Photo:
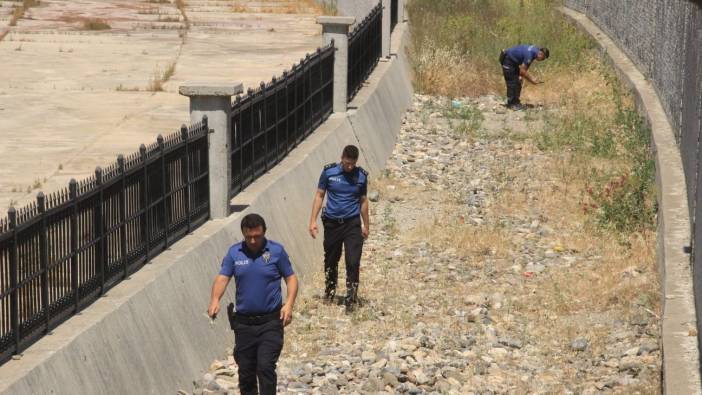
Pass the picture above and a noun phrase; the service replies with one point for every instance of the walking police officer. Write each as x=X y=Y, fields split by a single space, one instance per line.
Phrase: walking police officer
x=257 y=265
x=345 y=220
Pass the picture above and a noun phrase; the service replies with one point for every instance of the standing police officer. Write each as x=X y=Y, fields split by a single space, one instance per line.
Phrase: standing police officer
x=345 y=186
x=515 y=63
x=257 y=265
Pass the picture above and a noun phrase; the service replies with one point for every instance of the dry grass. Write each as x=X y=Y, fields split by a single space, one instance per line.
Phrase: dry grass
x=159 y=78
x=18 y=11
x=469 y=241
x=289 y=7
x=96 y=24
x=455 y=49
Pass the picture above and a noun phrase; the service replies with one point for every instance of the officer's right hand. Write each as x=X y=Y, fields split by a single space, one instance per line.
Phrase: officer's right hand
x=213 y=309
x=313 y=229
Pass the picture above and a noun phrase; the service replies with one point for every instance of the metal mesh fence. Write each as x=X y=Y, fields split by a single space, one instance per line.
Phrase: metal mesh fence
x=664 y=39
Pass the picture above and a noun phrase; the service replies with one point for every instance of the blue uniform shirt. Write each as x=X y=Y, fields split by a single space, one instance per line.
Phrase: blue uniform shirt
x=344 y=190
x=522 y=54
x=257 y=276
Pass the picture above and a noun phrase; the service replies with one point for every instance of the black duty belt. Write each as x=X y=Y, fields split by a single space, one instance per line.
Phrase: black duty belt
x=339 y=220
x=252 y=319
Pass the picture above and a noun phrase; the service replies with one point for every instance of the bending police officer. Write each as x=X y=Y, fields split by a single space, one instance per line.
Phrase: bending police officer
x=257 y=265
x=345 y=220
x=515 y=62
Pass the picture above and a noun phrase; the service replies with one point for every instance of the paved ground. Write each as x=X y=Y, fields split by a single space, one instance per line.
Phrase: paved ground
x=72 y=98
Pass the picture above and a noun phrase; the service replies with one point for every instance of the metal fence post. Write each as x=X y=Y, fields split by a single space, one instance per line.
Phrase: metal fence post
x=14 y=280
x=123 y=215
x=99 y=231
x=186 y=174
x=401 y=11
x=264 y=124
x=43 y=258
x=145 y=228
x=306 y=77
x=335 y=31
x=73 y=194
x=252 y=131
x=164 y=183
x=214 y=101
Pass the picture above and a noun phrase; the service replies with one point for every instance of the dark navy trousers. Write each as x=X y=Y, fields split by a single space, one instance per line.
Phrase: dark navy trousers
x=514 y=85
x=347 y=234
x=256 y=351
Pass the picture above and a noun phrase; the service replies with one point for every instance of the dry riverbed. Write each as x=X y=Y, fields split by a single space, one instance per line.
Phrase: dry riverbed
x=481 y=276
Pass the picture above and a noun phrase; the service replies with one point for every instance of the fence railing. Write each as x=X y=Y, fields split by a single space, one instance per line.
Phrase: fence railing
x=365 y=46
x=62 y=252
x=267 y=123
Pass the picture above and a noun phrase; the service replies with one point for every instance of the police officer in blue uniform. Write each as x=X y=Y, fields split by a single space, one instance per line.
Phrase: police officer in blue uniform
x=257 y=265
x=345 y=220
x=515 y=63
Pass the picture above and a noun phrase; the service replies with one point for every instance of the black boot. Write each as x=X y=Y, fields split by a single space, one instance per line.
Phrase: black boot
x=351 y=300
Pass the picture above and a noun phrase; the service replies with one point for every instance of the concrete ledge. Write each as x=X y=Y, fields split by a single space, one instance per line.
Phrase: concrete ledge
x=210 y=89
x=681 y=369
x=375 y=111
x=336 y=20
x=149 y=334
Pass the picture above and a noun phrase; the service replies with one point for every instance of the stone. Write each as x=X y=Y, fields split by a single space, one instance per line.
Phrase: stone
x=579 y=344
x=390 y=379
x=374 y=196
x=509 y=342
x=368 y=356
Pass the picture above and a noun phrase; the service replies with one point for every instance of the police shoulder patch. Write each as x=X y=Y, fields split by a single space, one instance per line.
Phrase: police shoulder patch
x=329 y=166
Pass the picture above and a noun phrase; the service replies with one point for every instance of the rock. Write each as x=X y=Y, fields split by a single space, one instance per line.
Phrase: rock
x=216 y=365
x=380 y=364
x=498 y=353
x=373 y=385
x=509 y=342
x=328 y=389
x=368 y=356
x=374 y=196
x=630 y=364
x=579 y=344
x=648 y=348
x=390 y=379
x=419 y=377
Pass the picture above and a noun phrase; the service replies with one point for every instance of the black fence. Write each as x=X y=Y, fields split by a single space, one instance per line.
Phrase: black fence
x=365 y=46
x=270 y=121
x=61 y=253
x=393 y=14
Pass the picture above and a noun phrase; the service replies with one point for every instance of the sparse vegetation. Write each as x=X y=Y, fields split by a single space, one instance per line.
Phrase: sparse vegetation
x=95 y=24
x=469 y=117
x=589 y=172
x=457 y=43
x=291 y=7
x=159 y=78
x=18 y=11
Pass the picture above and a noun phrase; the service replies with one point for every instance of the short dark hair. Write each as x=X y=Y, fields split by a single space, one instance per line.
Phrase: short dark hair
x=350 y=152
x=545 y=51
x=252 y=221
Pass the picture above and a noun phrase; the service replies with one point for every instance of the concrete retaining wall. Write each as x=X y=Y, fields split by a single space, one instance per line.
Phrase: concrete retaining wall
x=150 y=334
x=681 y=374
